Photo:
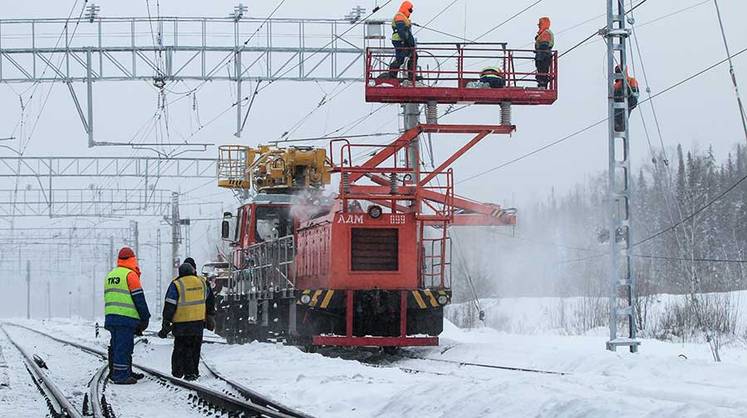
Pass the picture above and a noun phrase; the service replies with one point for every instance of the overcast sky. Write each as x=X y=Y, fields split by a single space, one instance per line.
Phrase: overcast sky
x=702 y=112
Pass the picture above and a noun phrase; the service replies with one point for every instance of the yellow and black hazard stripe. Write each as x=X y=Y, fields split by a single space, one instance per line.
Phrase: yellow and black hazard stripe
x=427 y=298
x=316 y=298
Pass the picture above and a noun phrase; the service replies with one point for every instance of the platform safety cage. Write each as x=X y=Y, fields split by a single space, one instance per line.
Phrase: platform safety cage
x=456 y=68
x=233 y=163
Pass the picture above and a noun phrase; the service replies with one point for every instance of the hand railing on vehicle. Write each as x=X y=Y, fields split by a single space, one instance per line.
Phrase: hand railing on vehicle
x=455 y=70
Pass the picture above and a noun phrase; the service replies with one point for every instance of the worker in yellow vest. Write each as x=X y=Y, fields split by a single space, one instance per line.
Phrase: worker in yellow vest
x=403 y=41
x=493 y=77
x=189 y=308
x=127 y=315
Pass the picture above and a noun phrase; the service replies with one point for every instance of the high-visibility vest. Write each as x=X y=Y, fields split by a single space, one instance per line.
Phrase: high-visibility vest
x=398 y=17
x=546 y=36
x=491 y=72
x=117 y=297
x=191 y=304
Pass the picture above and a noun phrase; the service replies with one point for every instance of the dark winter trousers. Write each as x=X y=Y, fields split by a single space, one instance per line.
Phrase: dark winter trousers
x=120 y=352
x=542 y=61
x=620 y=114
x=185 y=359
x=401 y=53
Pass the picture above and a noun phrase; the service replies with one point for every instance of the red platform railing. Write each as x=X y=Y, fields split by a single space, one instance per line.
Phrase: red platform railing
x=449 y=73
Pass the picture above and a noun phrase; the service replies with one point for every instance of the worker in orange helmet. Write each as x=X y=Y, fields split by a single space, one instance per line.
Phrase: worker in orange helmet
x=127 y=315
x=544 y=42
x=403 y=41
x=631 y=87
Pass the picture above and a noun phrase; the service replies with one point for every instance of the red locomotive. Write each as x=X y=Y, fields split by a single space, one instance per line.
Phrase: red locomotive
x=370 y=265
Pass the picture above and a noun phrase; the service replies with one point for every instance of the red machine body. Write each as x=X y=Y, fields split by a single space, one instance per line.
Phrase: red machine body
x=371 y=266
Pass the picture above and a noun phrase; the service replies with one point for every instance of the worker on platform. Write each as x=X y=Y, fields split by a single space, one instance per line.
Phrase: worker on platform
x=544 y=42
x=189 y=308
x=631 y=87
x=127 y=315
x=494 y=77
x=403 y=41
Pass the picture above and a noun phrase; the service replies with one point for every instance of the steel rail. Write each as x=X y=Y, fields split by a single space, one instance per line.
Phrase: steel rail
x=217 y=399
x=253 y=396
x=96 y=397
x=55 y=395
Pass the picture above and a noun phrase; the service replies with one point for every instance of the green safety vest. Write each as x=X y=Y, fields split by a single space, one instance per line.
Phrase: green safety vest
x=117 y=297
x=546 y=36
x=395 y=34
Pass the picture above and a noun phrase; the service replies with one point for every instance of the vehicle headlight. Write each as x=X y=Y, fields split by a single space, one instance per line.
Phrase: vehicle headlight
x=375 y=211
x=305 y=299
x=443 y=300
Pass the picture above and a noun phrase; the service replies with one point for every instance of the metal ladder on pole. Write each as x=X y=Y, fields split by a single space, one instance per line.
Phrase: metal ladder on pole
x=622 y=279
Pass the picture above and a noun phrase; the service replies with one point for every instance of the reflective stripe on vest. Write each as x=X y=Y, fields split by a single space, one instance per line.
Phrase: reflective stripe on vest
x=191 y=304
x=491 y=72
x=408 y=23
x=117 y=297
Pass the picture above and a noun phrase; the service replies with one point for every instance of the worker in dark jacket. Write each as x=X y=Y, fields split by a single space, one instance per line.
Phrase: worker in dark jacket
x=403 y=41
x=493 y=76
x=127 y=315
x=631 y=87
x=189 y=308
x=544 y=42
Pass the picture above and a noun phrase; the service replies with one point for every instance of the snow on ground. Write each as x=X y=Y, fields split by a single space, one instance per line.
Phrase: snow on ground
x=663 y=380
x=542 y=315
x=19 y=394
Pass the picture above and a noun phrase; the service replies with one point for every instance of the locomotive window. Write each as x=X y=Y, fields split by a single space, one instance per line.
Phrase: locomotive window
x=273 y=222
x=374 y=249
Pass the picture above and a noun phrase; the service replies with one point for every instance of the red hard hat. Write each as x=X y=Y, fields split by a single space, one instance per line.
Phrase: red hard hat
x=125 y=253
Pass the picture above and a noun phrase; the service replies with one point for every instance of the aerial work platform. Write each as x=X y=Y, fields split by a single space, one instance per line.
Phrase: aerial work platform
x=450 y=74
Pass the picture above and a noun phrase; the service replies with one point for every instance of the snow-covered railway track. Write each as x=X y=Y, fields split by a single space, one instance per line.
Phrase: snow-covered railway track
x=251 y=395
x=204 y=400
x=57 y=402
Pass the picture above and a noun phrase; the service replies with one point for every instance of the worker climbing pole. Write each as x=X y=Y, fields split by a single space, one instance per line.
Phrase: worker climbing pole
x=622 y=279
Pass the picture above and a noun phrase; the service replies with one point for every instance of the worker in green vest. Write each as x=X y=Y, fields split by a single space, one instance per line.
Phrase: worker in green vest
x=189 y=308
x=126 y=315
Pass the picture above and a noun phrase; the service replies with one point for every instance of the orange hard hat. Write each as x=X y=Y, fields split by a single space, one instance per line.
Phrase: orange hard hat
x=125 y=253
x=406 y=8
x=544 y=22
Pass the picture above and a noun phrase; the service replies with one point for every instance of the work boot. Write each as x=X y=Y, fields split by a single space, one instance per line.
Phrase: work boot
x=177 y=375
x=137 y=376
x=129 y=381
x=191 y=377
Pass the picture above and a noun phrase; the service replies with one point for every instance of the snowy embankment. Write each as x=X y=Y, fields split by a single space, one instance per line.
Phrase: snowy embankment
x=584 y=315
x=663 y=380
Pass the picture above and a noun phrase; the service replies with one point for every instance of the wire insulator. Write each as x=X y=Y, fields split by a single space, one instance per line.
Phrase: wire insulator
x=431 y=113
x=393 y=183
x=346 y=182
x=505 y=113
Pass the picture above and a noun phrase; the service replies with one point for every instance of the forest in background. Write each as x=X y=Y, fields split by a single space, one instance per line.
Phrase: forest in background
x=560 y=247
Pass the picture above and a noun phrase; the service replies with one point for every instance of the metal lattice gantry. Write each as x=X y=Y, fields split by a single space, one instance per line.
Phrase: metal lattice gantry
x=622 y=278
x=139 y=167
x=60 y=234
x=92 y=202
x=165 y=49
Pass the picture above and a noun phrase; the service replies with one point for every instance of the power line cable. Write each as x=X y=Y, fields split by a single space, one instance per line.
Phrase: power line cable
x=693 y=214
x=580 y=131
